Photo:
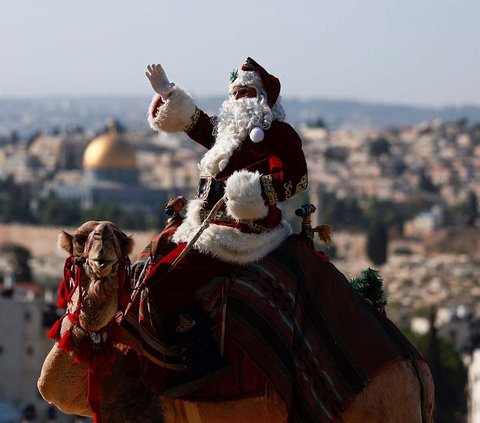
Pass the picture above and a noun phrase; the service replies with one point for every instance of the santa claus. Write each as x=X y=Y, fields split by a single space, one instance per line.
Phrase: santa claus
x=254 y=161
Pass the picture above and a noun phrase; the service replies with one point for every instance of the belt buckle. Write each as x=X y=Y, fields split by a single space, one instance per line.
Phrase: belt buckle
x=203 y=188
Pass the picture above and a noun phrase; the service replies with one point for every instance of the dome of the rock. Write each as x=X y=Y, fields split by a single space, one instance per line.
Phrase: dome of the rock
x=109 y=151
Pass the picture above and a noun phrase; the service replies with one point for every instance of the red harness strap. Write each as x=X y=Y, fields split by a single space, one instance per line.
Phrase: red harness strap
x=98 y=348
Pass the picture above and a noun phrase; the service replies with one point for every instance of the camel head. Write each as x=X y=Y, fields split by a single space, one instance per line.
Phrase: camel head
x=101 y=248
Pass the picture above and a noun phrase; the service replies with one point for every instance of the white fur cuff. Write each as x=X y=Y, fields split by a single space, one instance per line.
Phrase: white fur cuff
x=244 y=196
x=175 y=114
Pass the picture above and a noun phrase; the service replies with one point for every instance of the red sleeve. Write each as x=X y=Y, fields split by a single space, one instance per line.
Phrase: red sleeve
x=159 y=103
x=201 y=129
x=288 y=167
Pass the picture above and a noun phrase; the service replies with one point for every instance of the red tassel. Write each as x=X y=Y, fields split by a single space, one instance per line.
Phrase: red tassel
x=83 y=353
x=75 y=316
x=66 y=342
x=93 y=390
x=63 y=288
x=62 y=295
x=100 y=366
x=54 y=332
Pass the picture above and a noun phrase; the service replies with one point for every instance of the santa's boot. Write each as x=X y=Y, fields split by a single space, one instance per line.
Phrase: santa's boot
x=205 y=362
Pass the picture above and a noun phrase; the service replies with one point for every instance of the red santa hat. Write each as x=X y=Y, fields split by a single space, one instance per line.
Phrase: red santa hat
x=254 y=75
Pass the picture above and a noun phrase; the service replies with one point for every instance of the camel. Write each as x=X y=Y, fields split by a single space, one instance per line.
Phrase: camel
x=398 y=393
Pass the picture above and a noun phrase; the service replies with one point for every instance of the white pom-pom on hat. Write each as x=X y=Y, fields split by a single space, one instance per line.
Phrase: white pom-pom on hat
x=257 y=135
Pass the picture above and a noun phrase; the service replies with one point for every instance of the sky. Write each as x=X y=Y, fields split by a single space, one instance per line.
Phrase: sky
x=416 y=52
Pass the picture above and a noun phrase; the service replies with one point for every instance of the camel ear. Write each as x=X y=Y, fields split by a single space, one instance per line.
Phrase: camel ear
x=65 y=241
x=126 y=244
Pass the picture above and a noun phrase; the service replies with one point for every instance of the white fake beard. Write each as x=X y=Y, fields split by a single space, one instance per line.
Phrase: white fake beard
x=234 y=123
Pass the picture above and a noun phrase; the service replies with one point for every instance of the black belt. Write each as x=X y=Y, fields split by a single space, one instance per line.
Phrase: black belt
x=210 y=189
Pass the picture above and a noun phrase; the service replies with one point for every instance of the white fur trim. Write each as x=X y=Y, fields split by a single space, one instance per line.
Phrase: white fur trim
x=244 y=196
x=229 y=244
x=216 y=159
x=175 y=114
x=222 y=164
x=247 y=79
x=235 y=120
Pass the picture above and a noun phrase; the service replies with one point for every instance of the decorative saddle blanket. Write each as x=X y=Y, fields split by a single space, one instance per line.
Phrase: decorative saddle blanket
x=296 y=316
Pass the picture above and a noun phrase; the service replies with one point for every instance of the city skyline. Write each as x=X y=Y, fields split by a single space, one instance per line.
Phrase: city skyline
x=424 y=53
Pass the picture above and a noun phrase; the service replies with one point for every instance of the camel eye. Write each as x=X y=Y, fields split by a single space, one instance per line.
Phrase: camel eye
x=79 y=242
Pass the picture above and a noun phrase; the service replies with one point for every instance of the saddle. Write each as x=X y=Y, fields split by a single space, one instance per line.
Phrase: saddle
x=290 y=324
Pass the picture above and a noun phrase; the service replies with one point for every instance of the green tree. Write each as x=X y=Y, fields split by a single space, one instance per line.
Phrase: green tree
x=126 y=219
x=14 y=137
x=394 y=214
x=342 y=212
x=472 y=208
x=378 y=147
x=337 y=153
x=449 y=374
x=158 y=218
x=425 y=183
x=102 y=211
x=53 y=211
x=377 y=242
x=16 y=258
x=14 y=202
x=464 y=212
x=112 y=124
x=462 y=122
x=317 y=123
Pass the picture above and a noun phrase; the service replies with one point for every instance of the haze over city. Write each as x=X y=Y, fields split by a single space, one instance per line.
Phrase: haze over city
x=424 y=53
x=385 y=98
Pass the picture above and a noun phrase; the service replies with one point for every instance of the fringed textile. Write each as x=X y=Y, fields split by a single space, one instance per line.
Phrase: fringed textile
x=96 y=349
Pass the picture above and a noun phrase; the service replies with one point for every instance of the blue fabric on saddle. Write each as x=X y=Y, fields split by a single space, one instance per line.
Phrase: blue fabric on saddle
x=316 y=339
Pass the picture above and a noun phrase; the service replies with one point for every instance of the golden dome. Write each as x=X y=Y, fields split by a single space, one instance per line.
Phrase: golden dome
x=109 y=151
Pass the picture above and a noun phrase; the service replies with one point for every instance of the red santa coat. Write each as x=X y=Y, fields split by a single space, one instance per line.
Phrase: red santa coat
x=257 y=176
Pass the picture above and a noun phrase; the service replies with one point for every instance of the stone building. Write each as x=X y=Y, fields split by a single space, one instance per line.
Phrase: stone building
x=23 y=347
x=109 y=175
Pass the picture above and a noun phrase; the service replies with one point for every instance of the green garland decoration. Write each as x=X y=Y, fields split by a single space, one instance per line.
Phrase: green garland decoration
x=369 y=284
x=233 y=75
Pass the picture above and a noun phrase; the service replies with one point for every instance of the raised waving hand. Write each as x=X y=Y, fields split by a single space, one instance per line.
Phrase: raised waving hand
x=159 y=81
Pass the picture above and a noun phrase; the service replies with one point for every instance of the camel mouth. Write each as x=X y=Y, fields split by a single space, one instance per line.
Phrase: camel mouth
x=101 y=266
x=102 y=262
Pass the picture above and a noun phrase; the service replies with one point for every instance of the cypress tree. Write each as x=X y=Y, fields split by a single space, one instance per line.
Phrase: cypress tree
x=377 y=242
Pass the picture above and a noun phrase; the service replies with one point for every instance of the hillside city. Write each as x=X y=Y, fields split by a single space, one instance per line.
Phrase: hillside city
x=417 y=184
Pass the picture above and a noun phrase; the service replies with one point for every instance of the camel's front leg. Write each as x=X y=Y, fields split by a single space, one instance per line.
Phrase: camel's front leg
x=63 y=382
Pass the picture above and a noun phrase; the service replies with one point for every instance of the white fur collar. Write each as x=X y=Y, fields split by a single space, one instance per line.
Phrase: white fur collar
x=216 y=159
x=229 y=244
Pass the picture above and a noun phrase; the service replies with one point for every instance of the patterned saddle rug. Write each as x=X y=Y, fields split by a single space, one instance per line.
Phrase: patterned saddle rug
x=291 y=322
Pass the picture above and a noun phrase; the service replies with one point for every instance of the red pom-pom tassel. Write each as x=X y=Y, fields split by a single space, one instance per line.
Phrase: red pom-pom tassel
x=62 y=295
x=54 y=332
x=66 y=342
